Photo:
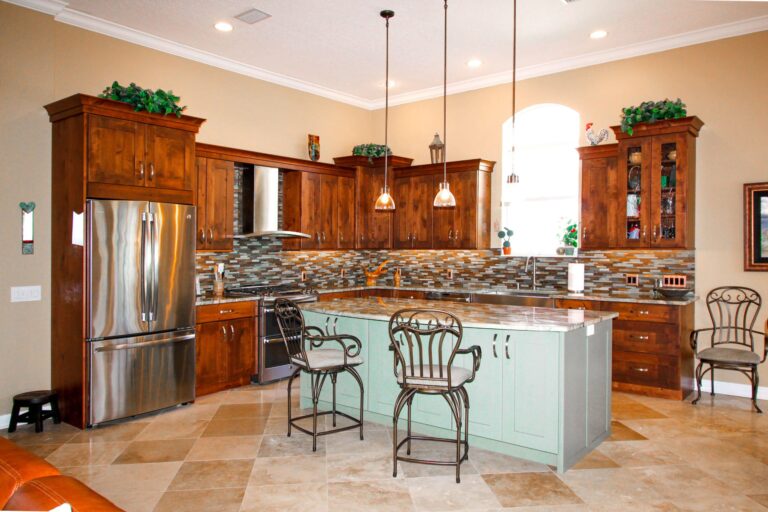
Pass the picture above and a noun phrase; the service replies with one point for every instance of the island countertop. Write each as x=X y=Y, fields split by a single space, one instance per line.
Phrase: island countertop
x=484 y=316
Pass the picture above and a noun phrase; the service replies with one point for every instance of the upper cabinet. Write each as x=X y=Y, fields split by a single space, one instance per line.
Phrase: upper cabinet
x=639 y=193
x=413 y=213
x=128 y=154
x=215 y=204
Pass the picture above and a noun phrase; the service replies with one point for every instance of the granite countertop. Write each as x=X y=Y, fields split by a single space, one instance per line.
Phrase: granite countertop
x=484 y=316
x=208 y=299
x=555 y=294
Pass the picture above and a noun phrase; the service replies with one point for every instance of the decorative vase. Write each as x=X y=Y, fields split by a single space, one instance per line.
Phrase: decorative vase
x=506 y=251
x=313 y=147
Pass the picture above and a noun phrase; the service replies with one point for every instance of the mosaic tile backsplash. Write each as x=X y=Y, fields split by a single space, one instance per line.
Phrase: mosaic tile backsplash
x=264 y=261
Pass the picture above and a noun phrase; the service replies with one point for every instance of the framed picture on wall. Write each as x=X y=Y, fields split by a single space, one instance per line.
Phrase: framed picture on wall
x=756 y=226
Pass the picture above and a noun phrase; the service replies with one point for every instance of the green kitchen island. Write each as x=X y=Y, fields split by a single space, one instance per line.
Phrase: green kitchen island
x=542 y=393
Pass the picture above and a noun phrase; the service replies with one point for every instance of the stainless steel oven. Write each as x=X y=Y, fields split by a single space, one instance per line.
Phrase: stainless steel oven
x=274 y=363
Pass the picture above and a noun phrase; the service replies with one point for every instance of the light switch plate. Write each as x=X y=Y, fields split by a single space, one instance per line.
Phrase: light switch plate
x=26 y=293
x=590 y=330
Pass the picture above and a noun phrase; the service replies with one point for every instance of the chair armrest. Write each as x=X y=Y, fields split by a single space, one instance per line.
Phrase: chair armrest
x=350 y=350
x=477 y=354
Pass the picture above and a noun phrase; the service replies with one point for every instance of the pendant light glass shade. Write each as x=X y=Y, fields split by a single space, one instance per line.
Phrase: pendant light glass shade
x=385 y=201
x=444 y=197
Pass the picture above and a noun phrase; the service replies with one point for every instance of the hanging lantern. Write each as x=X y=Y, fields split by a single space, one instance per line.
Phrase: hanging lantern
x=437 y=150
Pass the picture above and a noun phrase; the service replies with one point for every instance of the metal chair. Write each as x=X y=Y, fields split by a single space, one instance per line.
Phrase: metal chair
x=425 y=343
x=733 y=311
x=318 y=363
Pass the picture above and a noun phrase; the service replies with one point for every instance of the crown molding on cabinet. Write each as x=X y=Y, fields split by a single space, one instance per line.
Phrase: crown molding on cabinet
x=64 y=14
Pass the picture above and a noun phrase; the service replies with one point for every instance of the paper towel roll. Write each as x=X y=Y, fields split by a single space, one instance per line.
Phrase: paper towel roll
x=576 y=278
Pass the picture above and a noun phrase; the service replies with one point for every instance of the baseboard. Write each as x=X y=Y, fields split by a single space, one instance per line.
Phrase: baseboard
x=5 y=419
x=734 y=389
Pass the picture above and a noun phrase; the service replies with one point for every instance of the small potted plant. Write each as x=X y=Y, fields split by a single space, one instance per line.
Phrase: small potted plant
x=506 y=235
x=570 y=239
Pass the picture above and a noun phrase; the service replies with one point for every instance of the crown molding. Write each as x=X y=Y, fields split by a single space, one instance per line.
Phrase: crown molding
x=59 y=10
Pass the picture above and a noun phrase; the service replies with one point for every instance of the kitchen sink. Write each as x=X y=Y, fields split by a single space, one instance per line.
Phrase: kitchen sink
x=530 y=298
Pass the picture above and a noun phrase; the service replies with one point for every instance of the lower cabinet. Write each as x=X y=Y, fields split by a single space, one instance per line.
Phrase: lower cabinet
x=225 y=348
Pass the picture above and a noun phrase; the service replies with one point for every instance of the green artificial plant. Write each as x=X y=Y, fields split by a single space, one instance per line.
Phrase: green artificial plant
x=571 y=235
x=371 y=150
x=155 y=102
x=650 y=112
x=506 y=234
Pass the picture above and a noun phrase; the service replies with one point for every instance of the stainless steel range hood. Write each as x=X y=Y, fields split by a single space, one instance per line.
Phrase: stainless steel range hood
x=260 y=203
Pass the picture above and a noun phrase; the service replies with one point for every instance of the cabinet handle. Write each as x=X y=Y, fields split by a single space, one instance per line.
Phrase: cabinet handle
x=152 y=171
x=323 y=236
x=210 y=235
x=584 y=233
x=202 y=236
x=456 y=235
x=327 y=319
x=226 y=311
x=224 y=332
x=141 y=169
x=506 y=346
x=335 y=321
x=494 y=345
x=644 y=233
x=341 y=237
x=450 y=234
x=641 y=338
x=643 y=312
x=232 y=330
x=641 y=370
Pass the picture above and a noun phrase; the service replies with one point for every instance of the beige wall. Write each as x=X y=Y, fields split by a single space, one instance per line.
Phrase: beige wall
x=42 y=61
x=725 y=83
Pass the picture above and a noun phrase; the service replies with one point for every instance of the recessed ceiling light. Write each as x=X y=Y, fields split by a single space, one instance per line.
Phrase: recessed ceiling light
x=598 y=34
x=223 y=26
x=474 y=63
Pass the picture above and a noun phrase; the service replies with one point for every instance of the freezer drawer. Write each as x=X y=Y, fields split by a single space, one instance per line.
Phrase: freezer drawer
x=140 y=374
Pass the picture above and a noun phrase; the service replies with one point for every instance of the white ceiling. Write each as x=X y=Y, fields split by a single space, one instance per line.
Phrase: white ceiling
x=336 y=47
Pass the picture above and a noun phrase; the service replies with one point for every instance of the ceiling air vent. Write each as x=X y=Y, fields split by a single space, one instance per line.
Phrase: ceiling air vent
x=252 y=16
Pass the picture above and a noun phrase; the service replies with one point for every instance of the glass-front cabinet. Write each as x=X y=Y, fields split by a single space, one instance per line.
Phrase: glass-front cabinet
x=656 y=185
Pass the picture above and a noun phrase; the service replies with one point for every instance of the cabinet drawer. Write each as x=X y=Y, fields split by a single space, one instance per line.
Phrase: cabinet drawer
x=646 y=337
x=589 y=305
x=642 y=312
x=226 y=311
x=645 y=369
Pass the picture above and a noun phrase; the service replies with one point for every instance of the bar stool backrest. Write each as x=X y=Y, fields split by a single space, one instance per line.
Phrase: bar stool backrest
x=290 y=320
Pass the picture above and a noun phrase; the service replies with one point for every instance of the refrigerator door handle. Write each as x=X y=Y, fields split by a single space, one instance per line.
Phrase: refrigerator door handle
x=126 y=346
x=143 y=263
x=153 y=267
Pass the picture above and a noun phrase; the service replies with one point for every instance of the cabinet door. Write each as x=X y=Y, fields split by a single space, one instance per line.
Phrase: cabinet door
x=668 y=191
x=201 y=202
x=115 y=151
x=375 y=227
x=598 y=190
x=464 y=186
x=484 y=392
x=210 y=358
x=219 y=204
x=241 y=351
x=170 y=157
x=402 y=233
x=420 y=208
x=327 y=212
x=345 y=213
x=531 y=390
x=382 y=385
x=310 y=209
x=634 y=186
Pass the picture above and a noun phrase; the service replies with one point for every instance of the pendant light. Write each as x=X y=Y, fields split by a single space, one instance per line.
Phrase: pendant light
x=444 y=197
x=385 y=200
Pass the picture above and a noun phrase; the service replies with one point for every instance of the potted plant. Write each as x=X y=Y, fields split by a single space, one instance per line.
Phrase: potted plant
x=371 y=151
x=506 y=235
x=155 y=102
x=570 y=239
x=650 y=112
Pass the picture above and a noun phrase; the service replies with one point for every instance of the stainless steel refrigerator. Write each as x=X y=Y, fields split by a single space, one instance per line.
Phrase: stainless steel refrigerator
x=141 y=307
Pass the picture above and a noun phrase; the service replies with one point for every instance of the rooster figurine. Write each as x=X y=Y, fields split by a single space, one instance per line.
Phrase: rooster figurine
x=596 y=139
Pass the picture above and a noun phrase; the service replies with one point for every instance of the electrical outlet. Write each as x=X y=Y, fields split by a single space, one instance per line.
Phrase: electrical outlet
x=343 y=273
x=632 y=279
x=449 y=274
x=674 y=281
x=26 y=293
x=303 y=276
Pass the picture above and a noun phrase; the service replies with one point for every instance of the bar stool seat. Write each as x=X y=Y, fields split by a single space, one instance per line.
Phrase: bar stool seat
x=34 y=402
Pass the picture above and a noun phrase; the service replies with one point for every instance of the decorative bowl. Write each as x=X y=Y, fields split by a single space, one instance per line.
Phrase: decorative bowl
x=673 y=293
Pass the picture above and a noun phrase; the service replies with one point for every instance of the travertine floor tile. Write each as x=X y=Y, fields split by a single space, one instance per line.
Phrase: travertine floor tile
x=181 y=429
x=760 y=498
x=516 y=489
x=491 y=462
x=289 y=470
x=213 y=474
x=443 y=493
x=283 y=446
x=349 y=467
x=219 y=500
x=310 y=497
x=42 y=450
x=86 y=454
x=349 y=441
x=255 y=410
x=621 y=432
x=225 y=448
x=168 y=450
x=137 y=500
x=682 y=482
x=628 y=410
x=127 y=431
x=123 y=479
x=235 y=427
x=381 y=495
x=595 y=460
x=608 y=485
x=639 y=453
x=51 y=434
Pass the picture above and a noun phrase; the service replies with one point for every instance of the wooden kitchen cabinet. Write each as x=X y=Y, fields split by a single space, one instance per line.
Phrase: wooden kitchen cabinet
x=599 y=206
x=320 y=205
x=413 y=216
x=225 y=346
x=215 y=204
x=656 y=185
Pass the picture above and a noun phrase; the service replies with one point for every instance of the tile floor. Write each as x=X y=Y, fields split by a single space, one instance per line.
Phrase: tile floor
x=229 y=452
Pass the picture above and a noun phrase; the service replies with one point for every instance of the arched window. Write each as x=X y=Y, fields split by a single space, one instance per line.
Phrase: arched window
x=545 y=200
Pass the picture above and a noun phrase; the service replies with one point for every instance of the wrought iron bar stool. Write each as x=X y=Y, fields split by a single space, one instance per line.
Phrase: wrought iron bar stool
x=318 y=363
x=425 y=343
x=733 y=311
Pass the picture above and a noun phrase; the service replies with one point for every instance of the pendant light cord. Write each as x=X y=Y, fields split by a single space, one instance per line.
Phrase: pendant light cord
x=445 y=94
x=514 y=67
x=386 y=112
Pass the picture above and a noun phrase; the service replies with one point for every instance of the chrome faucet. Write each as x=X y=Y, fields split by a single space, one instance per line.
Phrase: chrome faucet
x=535 y=284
